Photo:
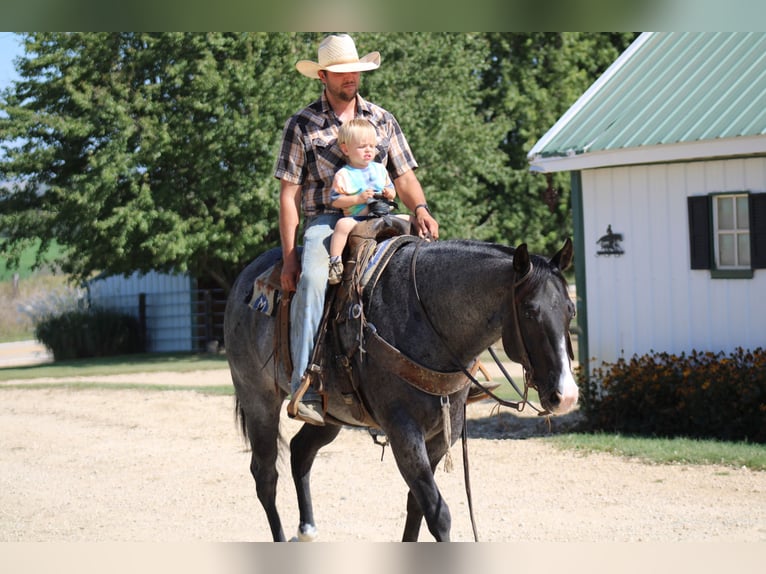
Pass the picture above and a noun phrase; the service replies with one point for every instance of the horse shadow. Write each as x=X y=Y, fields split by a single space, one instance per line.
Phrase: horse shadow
x=487 y=420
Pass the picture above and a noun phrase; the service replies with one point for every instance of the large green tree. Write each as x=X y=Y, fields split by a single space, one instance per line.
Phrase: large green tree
x=432 y=83
x=155 y=151
x=148 y=151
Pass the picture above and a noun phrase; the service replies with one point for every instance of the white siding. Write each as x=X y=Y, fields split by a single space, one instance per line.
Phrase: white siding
x=169 y=322
x=649 y=299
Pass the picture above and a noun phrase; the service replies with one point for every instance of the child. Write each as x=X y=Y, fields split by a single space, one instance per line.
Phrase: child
x=362 y=180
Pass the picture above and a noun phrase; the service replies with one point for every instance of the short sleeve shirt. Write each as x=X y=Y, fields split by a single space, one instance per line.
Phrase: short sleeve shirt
x=310 y=155
x=351 y=180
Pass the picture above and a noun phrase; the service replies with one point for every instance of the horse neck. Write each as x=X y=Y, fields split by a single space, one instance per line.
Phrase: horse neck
x=457 y=312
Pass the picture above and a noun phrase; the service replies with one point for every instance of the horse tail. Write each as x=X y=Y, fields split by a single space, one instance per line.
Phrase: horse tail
x=283 y=446
x=240 y=418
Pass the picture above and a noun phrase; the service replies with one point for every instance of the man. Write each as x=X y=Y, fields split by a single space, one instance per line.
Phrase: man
x=308 y=159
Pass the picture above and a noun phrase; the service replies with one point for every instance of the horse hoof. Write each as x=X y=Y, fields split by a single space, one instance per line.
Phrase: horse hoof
x=306 y=533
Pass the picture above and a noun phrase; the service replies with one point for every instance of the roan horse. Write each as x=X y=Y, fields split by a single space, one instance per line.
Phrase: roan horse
x=440 y=304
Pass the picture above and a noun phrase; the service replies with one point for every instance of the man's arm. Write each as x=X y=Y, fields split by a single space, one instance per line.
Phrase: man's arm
x=289 y=221
x=411 y=193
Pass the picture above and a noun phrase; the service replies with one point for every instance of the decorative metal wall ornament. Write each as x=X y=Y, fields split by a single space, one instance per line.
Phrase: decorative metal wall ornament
x=610 y=243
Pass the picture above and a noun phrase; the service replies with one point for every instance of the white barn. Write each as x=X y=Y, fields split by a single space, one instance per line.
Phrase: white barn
x=667 y=156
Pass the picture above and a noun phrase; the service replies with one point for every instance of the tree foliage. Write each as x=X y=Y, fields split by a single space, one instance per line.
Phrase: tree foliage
x=153 y=151
x=143 y=151
x=534 y=78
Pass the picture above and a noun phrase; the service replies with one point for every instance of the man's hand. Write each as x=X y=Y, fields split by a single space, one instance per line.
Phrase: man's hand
x=291 y=272
x=428 y=227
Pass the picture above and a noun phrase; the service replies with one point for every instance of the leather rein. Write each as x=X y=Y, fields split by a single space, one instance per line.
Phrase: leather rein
x=517 y=338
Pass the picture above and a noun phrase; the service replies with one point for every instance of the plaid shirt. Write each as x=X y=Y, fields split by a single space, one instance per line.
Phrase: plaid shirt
x=310 y=154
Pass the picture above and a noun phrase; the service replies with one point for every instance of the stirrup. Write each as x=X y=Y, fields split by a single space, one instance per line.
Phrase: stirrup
x=292 y=406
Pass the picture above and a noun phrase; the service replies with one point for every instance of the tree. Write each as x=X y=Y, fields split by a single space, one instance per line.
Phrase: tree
x=155 y=151
x=533 y=79
x=152 y=151
x=432 y=83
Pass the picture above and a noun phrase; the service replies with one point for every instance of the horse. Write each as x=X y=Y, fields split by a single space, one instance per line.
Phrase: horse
x=439 y=305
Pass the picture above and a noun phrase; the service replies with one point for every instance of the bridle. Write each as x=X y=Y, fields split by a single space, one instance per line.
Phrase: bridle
x=516 y=341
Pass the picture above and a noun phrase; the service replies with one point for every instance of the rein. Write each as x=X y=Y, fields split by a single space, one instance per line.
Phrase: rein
x=519 y=340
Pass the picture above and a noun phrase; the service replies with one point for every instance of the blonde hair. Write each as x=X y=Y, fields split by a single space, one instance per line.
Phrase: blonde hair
x=356 y=129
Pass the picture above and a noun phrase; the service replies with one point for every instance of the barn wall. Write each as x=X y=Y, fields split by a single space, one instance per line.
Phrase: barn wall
x=649 y=298
x=169 y=322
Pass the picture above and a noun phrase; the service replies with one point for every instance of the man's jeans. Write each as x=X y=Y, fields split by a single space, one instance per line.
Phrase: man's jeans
x=308 y=300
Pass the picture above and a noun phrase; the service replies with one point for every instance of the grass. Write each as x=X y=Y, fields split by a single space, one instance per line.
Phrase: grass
x=667 y=450
x=650 y=450
x=27 y=260
x=33 y=286
x=15 y=323
x=124 y=364
x=80 y=386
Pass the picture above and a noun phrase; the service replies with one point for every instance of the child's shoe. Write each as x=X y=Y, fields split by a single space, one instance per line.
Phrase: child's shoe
x=336 y=272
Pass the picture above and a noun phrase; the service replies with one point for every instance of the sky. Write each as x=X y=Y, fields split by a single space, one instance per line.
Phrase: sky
x=9 y=48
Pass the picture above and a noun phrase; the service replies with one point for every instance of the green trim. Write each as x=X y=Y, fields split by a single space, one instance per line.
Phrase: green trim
x=731 y=273
x=579 y=261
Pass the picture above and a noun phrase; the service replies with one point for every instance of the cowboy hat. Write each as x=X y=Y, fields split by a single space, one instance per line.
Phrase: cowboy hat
x=337 y=53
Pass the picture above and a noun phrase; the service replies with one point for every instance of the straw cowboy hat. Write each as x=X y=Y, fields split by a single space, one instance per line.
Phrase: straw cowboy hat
x=337 y=53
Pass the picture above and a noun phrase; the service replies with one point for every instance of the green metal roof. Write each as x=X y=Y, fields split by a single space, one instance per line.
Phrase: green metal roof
x=665 y=89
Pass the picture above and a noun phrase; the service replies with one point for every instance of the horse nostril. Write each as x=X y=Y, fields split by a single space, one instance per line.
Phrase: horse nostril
x=555 y=398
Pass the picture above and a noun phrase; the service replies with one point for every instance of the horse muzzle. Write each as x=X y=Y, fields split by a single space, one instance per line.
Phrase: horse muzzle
x=563 y=397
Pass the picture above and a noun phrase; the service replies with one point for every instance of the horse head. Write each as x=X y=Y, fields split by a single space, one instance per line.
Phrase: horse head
x=536 y=326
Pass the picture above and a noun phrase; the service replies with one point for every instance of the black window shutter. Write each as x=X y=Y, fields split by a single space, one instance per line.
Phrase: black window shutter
x=757 y=210
x=699 y=231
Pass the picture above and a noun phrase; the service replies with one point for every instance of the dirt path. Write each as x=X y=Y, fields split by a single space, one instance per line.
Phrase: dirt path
x=147 y=466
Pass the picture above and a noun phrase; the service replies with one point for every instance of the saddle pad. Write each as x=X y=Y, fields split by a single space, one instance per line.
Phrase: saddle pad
x=266 y=295
x=383 y=252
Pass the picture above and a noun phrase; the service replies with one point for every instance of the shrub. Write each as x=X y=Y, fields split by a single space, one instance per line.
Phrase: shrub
x=93 y=332
x=700 y=395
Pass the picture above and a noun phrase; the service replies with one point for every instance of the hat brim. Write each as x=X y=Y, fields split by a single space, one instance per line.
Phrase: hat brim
x=366 y=63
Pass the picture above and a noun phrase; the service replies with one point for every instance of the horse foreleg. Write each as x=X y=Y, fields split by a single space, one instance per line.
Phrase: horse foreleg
x=414 y=520
x=424 y=499
x=303 y=450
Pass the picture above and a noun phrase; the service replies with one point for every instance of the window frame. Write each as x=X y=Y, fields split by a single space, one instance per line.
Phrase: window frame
x=737 y=269
x=703 y=234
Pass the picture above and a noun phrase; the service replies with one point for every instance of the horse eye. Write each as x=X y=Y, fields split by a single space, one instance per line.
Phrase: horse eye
x=531 y=311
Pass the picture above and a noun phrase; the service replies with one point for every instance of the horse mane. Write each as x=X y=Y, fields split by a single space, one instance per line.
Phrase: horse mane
x=541 y=267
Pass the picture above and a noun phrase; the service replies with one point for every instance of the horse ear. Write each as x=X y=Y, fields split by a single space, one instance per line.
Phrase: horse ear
x=521 y=260
x=563 y=258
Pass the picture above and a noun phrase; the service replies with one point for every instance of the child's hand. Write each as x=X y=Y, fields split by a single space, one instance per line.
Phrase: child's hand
x=366 y=195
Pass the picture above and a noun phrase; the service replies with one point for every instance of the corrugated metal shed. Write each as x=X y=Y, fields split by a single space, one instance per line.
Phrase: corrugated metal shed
x=169 y=302
x=673 y=90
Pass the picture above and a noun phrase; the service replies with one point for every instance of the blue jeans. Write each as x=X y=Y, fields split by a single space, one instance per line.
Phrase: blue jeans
x=308 y=300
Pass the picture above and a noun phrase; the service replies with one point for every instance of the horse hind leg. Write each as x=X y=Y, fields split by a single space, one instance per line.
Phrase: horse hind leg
x=263 y=435
x=303 y=450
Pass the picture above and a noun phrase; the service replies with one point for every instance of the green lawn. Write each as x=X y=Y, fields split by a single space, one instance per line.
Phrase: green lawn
x=125 y=364
x=26 y=261
x=667 y=450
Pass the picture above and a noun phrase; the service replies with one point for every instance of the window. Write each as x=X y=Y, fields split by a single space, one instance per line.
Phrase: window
x=727 y=233
x=732 y=232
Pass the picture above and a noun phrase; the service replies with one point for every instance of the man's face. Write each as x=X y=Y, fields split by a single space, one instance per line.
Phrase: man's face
x=341 y=85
